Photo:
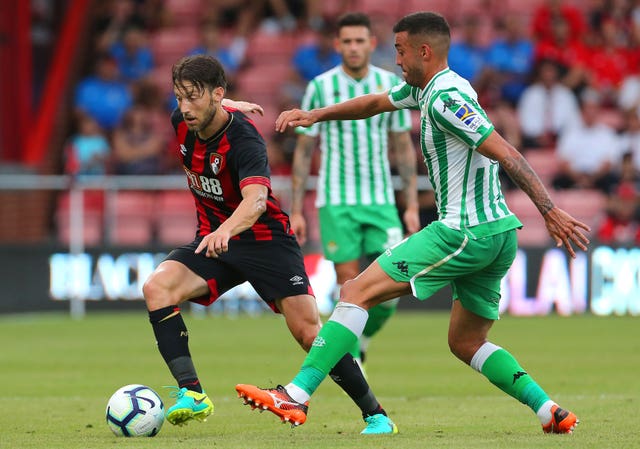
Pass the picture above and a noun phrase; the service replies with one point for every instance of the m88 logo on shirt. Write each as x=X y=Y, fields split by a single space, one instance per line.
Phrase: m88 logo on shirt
x=207 y=187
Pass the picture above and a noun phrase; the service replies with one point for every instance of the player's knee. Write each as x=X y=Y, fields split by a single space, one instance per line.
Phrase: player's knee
x=305 y=336
x=352 y=293
x=154 y=293
x=462 y=348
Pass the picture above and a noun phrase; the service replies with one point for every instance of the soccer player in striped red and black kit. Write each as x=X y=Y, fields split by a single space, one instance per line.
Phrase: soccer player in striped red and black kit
x=242 y=235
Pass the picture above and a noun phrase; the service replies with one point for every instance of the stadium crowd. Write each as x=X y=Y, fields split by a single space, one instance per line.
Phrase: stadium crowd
x=558 y=78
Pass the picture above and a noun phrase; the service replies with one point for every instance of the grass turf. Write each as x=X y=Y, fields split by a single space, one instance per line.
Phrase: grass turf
x=58 y=373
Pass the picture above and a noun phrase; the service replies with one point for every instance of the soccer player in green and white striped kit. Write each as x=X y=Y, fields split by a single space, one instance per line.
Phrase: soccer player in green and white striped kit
x=355 y=195
x=470 y=247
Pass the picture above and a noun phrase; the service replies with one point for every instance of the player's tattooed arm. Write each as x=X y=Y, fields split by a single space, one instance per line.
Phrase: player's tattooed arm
x=523 y=175
x=300 y=170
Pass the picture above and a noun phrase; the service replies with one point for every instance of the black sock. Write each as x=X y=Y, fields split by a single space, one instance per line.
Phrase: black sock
x=349 y=377
x=172 y=338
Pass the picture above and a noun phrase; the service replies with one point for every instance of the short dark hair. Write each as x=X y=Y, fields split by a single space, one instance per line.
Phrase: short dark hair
x=353 y=19
x=430 y=24
x=423 y=23
x=202 y=71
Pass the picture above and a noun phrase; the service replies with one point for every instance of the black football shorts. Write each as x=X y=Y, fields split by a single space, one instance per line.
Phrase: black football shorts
x=275 y=268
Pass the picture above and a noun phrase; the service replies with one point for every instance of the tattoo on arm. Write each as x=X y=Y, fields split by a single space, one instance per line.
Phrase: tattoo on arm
x=300 y=173
x=523 y=175
x=406 y=165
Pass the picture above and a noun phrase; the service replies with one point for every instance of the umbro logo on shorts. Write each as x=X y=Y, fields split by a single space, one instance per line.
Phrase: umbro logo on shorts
x=296 y=280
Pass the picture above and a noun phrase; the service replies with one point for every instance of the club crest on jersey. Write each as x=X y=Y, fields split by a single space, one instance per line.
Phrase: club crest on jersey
x=468 y=116
x=217 y=162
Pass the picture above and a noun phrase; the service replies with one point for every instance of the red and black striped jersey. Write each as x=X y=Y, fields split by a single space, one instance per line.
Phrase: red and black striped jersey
x=219 y=167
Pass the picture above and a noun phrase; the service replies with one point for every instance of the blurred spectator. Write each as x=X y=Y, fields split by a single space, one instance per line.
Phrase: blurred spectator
x=608 y=62
x=279 y=16
x=544 y=15
x=546 y=108
x=568 y=51
x=87 y=152
x=210 y=44
x=153 y=14
x=631 y=138
x=137 y=150
x=589 y=153
x=384 y=55
x=113 y=18
x=103 y=95
x=310 y=60
x=622 y=222
x=467 y=56
x=616 y=12
x=132 y=54
x=629 y=94
x=241 y=17
x=509 y=62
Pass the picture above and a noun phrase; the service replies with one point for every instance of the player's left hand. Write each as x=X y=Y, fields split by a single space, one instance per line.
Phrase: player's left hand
x=566 y=230
x=215 y=243
x=411 y=218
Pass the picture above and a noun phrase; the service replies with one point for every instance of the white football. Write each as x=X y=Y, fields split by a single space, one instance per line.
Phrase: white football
x=135 y=411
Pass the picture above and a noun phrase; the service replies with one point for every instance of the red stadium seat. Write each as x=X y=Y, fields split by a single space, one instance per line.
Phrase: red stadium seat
x=175 y=217
x=184 y=12
x=170 y=44
x=267 y=48
x=92 y=226
x=544 y=161
x=133 y=218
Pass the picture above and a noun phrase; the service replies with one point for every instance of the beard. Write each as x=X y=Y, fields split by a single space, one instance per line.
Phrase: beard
x=209 y=115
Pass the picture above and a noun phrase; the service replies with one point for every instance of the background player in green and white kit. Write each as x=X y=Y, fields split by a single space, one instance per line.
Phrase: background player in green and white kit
x=355 y=195
x=470 y=247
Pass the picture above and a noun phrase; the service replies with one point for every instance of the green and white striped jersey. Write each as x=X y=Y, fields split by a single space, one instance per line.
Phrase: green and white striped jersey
x=354 y=167
x=452 y=126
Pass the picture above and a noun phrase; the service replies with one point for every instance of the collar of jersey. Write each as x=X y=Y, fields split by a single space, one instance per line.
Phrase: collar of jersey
x=220 y=132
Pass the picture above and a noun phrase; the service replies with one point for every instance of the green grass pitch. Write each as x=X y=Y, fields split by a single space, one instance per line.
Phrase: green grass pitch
x=57 y=375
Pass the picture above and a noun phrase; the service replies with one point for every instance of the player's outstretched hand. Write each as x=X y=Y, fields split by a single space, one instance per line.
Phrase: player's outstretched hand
x=293 y=118
x=566 y=230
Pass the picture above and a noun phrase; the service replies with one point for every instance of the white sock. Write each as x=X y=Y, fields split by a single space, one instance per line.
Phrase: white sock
x=544 y=412
x=297 y=393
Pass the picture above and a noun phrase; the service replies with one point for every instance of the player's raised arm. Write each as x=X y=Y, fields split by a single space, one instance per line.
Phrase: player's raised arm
x=243 y=106
x=562 y=227
x=357 y=108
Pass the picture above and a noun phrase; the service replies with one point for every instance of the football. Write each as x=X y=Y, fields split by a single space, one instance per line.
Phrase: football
x=135 y=411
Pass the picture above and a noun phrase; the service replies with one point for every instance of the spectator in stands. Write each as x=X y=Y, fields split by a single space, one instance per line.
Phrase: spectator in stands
x=546 y=108
x=546 y=13
x=567 y=50
x=211 y=45
x=589 y=153
x=608 y=62
x=384 y=54
x=239 y=16
x=622 y=221
x=132 y=54
x=629 y=94
x=467 y=57
x=103 y=95
x=112 y=21
x=631 y=138
x=310 y=60
x=87 y=151
x=136 y=149
x=509 y=61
